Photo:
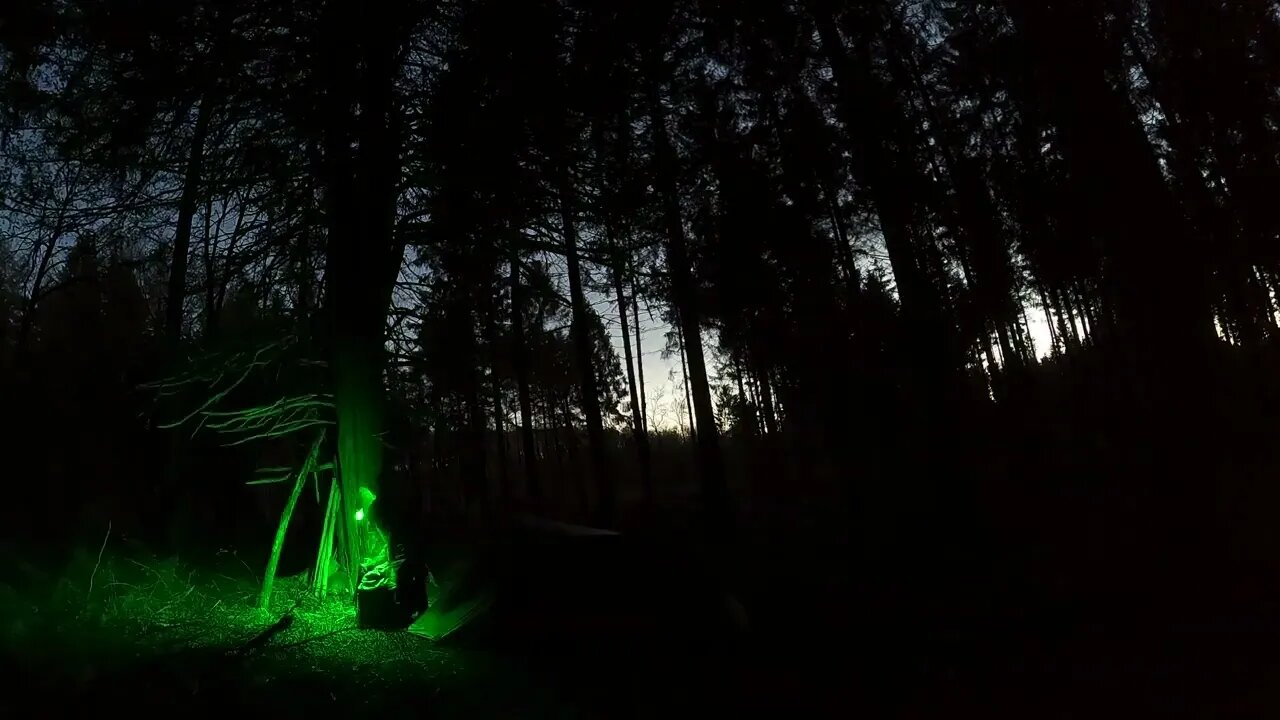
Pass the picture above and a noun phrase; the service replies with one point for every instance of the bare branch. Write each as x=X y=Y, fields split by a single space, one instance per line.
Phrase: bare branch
x=276 y=419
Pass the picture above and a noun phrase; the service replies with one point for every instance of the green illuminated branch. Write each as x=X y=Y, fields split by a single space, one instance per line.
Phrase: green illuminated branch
x=277 y=546
x=279 y=418
x=240 y=362
x=221 y=375
x=273 y=480
x=285 y=416
x=282 y=474
x=351 y=534
x=324 y=554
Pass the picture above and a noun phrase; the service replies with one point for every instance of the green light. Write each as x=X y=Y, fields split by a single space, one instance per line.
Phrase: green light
x=359 y=515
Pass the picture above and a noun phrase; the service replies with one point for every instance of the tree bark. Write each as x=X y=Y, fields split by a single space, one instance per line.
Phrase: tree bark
x=475 y=476
x=361 y=188
x=580 y=329
x=30 y=307
x=637 y=423
x=1054 y=342
x=520 y=359
x=684 y=381
x=1161 y=303
x=870 y=117
x=635 y=306
x=495 y=387
x=191 y=182
x=711 y=462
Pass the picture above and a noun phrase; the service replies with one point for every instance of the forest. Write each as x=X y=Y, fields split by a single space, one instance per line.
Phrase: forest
x=971 y=305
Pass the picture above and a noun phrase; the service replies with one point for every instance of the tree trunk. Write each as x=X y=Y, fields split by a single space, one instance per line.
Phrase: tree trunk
x=990 y=276
x=520 y=360
x=1067 y=312
x=191 y=182
x=984 y=342
x=743 y=397
x=684 y=380
x=766 y=405
x=208 y=252
x=554 y=432
x=711 y=463
x=870 y=117
x=1161 y=299
x=495 y=386
x=33 y=299
x=1055 y=345
x=757 y=401
x=844 y=251
x=635 y=306
x=884 y=144
x=475 y=476
x=361 y=188
x=580 y=329
x=42 y=269
x=637 y=424
x=1088 y=319
x=1023 y=341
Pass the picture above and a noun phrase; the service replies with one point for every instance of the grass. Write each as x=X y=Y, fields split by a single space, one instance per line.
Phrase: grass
x=116 y=628
x=113 y=628
x=123 y=629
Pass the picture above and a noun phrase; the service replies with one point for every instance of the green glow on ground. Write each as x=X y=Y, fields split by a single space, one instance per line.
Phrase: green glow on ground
x=124 y=630
x=442 y=618
x=360 y=515
x=162 y=631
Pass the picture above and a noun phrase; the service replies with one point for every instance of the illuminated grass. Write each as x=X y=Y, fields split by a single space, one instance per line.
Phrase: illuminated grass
x=163 y=610
x=134 y=630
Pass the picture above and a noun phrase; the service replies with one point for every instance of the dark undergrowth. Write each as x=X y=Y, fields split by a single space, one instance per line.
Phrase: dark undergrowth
x=120 y=630
x=125 y=630
x=128 y=630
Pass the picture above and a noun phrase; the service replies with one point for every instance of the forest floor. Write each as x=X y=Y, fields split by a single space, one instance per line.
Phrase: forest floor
x=134 y=632
x=124 y=631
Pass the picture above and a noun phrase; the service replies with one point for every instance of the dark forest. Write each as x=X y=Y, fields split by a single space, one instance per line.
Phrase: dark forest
x=324 y=319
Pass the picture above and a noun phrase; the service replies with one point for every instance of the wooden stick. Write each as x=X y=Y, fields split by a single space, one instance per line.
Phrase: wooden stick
x=269 y=578
x=324 y=554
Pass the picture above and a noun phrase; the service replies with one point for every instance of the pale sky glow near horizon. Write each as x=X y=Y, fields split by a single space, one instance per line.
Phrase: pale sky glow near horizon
x=664 y=384
x=665 y=405
x=666 y=408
